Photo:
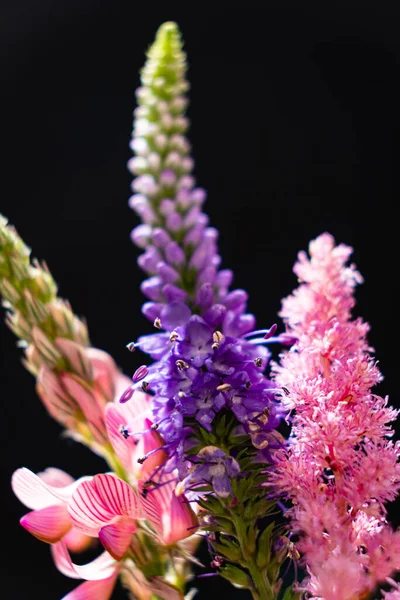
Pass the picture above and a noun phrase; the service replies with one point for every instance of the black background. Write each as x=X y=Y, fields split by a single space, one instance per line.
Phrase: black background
x=295 y=114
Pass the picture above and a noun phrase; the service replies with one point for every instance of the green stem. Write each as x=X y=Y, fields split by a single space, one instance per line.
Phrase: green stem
x=262 y=589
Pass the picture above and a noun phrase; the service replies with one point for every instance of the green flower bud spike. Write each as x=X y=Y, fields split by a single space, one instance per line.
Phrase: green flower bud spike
x=56 y=344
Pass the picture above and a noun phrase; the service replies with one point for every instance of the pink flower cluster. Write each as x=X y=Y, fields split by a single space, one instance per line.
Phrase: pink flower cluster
x=70 y=514
x=339 y=466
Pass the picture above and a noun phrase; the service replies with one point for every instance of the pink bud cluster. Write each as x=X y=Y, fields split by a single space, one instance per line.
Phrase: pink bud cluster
x=339 y=466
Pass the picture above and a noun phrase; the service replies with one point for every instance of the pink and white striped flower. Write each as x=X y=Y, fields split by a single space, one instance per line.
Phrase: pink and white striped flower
x=106 y=507
x=48 y=494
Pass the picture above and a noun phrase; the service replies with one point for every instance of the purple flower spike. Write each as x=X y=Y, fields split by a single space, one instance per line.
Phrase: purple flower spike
x=206 y=365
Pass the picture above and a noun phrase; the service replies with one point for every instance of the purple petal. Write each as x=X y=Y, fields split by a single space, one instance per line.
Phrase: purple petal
x=160 y=237
x=174 y=254
x=235 y=299
x=167 y=273
x=141 y=235
x=204 y=297
x=152 y=310
x=156 y=344
x=152 y=288
x=173 y=315
x=232 y=467
x=205 y=418
x=222 y=486
x=215 y=315
x=173 y=293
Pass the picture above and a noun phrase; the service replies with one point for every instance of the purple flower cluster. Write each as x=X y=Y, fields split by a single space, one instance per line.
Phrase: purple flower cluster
x=200 y=372
x=215 y=467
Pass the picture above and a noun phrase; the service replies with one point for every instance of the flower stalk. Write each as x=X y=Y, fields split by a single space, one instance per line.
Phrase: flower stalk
x=212 y=405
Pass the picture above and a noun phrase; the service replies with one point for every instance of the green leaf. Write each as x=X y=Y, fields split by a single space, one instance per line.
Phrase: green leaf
x=264 y=546
x=228 y=548
x=226 y=525
x=236 y=576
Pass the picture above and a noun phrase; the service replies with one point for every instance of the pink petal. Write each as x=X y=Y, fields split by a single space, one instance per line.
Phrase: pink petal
x=87 y=510
x=76 y=541
x=148 y=442
x=138 y=408
x=105 y=373
x=56 y=477
x=117 y=536
x=132 y=414
x=32 y=491
x=93 y=590
x=101 y=567
x=123 y=448
x=48 y=524
x=76 y=356
x=55 y=398
x=88 y=403
x=171 y=517
x=117 y=495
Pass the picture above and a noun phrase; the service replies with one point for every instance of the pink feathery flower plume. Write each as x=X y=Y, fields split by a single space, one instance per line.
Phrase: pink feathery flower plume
x=339 y=466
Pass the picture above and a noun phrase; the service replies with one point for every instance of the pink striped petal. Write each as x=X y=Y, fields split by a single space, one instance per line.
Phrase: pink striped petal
x=76 y=356
x=35 y=493
x=117 y=495
x=95 y=503
x=88 y=403
x=117 y=536
x=170 y=515
x=48 y=524
x=93 y=590
x=76 y=541
x=101 y=567
x=87 y=510
x=55 y=398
